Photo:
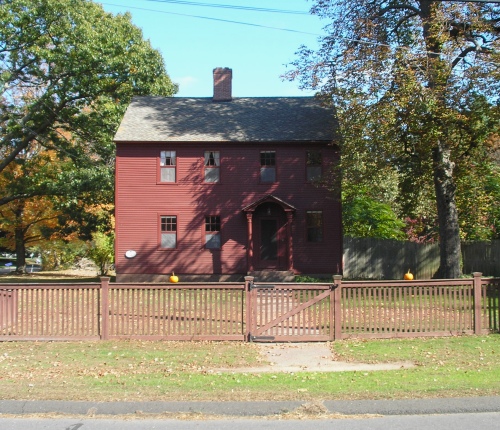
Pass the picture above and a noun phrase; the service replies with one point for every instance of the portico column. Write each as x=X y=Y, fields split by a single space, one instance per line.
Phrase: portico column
x=289 y=218
x=250 y=242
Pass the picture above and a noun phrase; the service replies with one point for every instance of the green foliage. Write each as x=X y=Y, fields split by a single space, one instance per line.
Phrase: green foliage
x=68 y=69
x=478 y=202
x=365 y=217
x=415 y=98
x=101 y=251
x=60 y=254
x=306 y=279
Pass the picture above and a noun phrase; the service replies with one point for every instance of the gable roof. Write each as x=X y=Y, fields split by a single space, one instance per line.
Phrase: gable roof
x=251 y=119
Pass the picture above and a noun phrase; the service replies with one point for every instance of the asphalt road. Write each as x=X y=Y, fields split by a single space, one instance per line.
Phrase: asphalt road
x=411 y=414
x=393 y=422
x=254 y=409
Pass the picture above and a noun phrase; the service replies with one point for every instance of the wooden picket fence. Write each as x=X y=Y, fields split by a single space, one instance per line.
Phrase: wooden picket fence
x=250 y=311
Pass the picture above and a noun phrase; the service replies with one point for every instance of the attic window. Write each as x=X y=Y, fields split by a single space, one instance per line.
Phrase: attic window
x=267 y=166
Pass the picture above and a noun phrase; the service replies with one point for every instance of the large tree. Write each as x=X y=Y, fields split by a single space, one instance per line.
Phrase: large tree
x=68 y=70
x=411 y=81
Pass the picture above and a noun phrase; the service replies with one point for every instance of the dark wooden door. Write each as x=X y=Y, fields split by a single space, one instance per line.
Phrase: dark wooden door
x=270 y=244
x=269 y=241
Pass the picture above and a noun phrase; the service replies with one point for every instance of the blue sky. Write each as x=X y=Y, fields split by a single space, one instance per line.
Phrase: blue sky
x=192 y=47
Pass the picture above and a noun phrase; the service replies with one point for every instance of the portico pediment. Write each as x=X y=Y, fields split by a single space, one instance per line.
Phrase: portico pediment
x=269 y=199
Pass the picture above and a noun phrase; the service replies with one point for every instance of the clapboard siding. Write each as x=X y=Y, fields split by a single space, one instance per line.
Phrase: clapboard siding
x=140 y=201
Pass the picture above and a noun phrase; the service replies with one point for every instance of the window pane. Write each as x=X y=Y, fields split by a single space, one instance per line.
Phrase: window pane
x=167 y=174
x=167 y=158
x=212 y=241
x=267 y=158
x=211 y=174
x=168 y=223
x=212 y=158
x=313 y=173
x=314 y=158
x=212 y=223
x=169 y=240
x=268 y=174
x=314 y=220
x=314 y=234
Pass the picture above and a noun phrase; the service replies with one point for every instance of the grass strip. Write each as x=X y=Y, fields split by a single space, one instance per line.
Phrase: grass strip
x=138 y=370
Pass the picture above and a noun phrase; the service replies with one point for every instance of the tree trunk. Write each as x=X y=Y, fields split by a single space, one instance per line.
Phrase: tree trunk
x=449 y=230
x=20 y=251
x=19 y=233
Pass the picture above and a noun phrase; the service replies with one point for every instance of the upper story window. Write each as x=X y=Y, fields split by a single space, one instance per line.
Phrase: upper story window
x=268 y=166
x=314 y=222
x=212 y=232
x=313 y=165
x=168 y=161
x=168 y=232
x=212 y=166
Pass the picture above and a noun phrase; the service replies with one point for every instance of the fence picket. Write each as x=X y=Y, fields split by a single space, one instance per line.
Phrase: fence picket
x=233 y=311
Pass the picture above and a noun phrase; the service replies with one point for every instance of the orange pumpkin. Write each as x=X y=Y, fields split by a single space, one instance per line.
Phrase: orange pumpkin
x=174 y=279
x=408 y=276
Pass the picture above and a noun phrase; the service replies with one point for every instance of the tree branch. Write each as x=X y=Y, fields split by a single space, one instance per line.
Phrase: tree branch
x=462 y=55
x=408 y=7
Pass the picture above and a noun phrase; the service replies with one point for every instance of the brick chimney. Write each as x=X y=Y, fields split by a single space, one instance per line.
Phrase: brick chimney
x=223 y=77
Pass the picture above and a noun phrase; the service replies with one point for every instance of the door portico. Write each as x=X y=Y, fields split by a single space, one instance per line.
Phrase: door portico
x=269 y=234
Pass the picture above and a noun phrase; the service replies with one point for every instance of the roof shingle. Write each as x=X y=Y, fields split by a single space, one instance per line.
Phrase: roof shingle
x=252 y=119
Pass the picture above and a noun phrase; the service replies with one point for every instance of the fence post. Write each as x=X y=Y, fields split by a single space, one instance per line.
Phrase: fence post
x=249 y=310
x=477 y=302
x=335 y=307
x=104 y=307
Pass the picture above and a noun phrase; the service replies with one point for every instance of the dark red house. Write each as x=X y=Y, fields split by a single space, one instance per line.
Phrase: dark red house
x=216 y=188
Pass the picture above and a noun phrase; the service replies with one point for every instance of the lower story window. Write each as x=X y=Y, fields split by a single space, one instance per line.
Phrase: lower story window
x=212 y=232
x=168 y=227
x=314 y=221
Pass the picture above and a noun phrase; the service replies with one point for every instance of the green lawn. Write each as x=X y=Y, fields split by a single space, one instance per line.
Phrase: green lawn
x=135 y=370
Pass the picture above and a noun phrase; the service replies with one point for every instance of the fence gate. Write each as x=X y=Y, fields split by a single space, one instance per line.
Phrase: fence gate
x=290 y=312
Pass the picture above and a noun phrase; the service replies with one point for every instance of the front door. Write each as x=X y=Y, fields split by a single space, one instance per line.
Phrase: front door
x=270 y=244
x=269 y=240
x=269 y=227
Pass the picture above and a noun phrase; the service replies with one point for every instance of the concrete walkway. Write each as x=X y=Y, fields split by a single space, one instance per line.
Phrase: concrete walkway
x=309 y=357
